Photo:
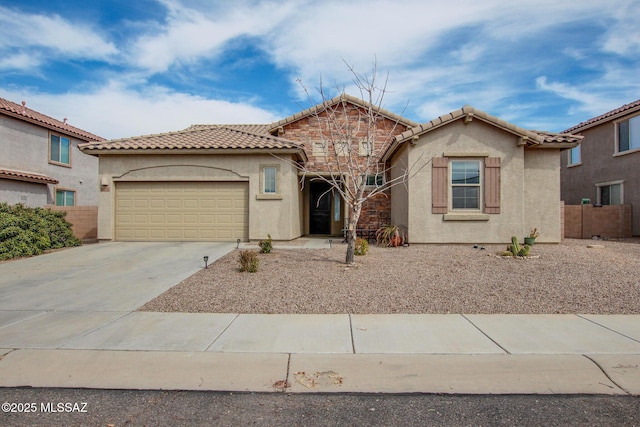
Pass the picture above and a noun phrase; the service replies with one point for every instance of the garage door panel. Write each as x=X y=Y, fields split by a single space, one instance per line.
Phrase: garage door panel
x=190 y=204
x=182 y=211
x=156 y=203
x=190 y=219
x=174 y=218
x=174 y=203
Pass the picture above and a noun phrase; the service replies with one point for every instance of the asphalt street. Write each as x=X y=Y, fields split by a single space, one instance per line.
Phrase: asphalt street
x=187 y=408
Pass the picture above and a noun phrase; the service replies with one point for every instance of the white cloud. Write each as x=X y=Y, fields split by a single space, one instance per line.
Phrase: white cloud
x=29 y=32
x=589 y=101
x=192 y=34
x=622 y=36
x=20 y=61
x=114 y=111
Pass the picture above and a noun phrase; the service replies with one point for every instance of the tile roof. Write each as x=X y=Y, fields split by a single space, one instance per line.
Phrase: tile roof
x=333 y=101
x=610 y=115
x=258 y=129
x=530 y=137
x=212 y=137
x=21 y=112
x=27 y=176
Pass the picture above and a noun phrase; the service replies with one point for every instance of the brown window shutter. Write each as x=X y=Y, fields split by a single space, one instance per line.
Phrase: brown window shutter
x=492 y=185
x=439 y=185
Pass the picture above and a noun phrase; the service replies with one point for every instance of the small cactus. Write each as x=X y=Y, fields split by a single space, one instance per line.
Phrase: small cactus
x=524 y=251
x=514 y=249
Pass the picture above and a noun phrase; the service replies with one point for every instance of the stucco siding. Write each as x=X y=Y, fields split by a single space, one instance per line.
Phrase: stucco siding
x=28 y=193
x=267 y=215
x=27 y=146
x=399 y=195
x=542 y=195
x=518 y=190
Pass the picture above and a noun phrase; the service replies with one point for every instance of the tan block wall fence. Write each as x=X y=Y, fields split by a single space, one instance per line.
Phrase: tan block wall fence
x=83 y=219
x=585 y=221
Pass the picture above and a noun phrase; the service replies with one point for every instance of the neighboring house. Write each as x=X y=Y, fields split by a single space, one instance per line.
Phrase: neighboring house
x=605 y=168
x=41 y=164
x=228 y=182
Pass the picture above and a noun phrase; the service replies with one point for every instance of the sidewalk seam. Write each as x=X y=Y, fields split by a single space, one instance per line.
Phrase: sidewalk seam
x=74 y=339
x=607 y=328
x=221 y=333
x=353 y=344
x=483 y=333
x=286 y=378
x=607 y=375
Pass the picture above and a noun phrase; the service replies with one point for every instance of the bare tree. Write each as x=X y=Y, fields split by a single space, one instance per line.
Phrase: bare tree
x=351 y=139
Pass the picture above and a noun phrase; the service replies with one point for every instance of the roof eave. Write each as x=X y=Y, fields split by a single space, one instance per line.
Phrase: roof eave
x=556 y=145
x=60 y=129
x=316 y=109
x=603 y=120
x=172 y=151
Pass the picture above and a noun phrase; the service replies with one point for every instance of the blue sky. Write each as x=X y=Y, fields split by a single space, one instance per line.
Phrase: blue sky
x=121 y=68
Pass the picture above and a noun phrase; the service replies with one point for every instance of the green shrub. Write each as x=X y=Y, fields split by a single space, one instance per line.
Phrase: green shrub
x=266 y=245
x=30 y=231
x=248 y=261
x=362 y=246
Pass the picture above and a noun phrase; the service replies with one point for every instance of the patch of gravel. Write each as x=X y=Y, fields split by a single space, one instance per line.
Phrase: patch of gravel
x=564 y=278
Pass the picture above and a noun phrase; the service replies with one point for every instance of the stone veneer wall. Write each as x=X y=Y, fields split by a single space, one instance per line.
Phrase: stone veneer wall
x=376 y=211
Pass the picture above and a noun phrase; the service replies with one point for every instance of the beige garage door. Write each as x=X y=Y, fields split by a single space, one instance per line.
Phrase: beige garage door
x=182 y=211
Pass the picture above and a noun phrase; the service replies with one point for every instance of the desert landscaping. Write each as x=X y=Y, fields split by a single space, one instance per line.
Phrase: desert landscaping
x=558 y=278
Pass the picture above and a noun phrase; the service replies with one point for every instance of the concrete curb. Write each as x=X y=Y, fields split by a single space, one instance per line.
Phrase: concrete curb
x=322 y=373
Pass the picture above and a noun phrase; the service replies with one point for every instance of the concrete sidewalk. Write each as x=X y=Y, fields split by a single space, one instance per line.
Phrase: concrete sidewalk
x=585 y=354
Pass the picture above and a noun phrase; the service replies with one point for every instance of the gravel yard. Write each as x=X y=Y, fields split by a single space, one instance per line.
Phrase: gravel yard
x=564 y=278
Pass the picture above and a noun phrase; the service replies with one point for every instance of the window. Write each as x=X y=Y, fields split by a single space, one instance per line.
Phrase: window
x=468 y=188
x=375 y=180
x=575 y=155
x=465 y=184
x=629 y=134
x=269 y=179
x=610 y=193
x=65 y=198
x=59 y=149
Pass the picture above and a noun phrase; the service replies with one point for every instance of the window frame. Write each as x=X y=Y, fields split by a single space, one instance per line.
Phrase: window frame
x=65 y=191
x=269 y=183
x=59 y=160
x=632 y=148
x=479 y=185
x=578 y=149
x=378 y=179
x=262 y=193
x=601 y=185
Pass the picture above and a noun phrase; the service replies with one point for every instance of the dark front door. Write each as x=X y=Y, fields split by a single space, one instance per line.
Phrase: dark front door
x=320 y=208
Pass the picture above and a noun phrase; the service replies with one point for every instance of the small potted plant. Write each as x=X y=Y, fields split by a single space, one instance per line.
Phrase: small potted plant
x=532 y=237
x=390 y=236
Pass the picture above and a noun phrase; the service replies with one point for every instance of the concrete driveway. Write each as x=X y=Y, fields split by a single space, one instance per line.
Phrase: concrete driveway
x=50 y=300
x=101 y=277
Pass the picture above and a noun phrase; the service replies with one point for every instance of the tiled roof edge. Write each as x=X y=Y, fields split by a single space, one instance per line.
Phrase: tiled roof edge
x=333 y=101
x=609 y=115
x=27 y=176
x=106 y=145
x=21 y=112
